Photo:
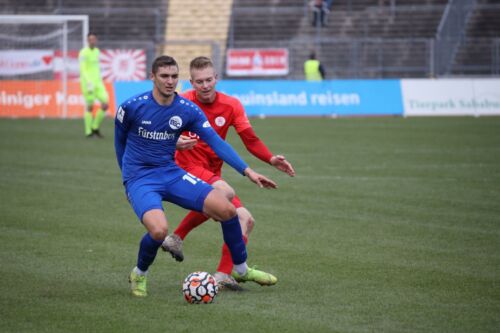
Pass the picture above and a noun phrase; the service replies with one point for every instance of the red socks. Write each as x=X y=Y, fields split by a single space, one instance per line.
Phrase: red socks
x=191 y=221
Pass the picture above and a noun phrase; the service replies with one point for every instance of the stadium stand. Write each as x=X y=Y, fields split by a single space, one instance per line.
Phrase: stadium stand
x=382 y=41
x=363 y=38
x=119 y=23
x=476 y=54
x=197 y=27
x=369 y=38
x=266 y=20
x=113 y=20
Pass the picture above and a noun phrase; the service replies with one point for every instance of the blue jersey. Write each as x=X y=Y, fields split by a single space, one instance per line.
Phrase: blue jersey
x=146 y=134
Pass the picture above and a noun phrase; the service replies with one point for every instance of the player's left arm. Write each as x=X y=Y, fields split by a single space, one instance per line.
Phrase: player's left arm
x=202 y=127
x=229 y=155
x=255 y=145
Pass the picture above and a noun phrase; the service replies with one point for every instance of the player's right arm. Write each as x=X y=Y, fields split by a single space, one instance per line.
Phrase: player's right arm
x=121 y=129
x=185 y=143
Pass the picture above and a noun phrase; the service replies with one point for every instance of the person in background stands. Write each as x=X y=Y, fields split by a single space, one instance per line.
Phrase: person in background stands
x=319 y=9
x=313 y=70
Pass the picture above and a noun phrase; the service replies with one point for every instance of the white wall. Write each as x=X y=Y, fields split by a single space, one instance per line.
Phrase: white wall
x=450 y=97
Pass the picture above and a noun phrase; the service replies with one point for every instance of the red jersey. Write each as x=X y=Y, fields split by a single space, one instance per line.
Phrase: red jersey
x=225 y=111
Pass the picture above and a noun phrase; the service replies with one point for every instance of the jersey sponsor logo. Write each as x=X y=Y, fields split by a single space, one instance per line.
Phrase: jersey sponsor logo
x=120 y=114
x=154 y=135
x=146 y=122
x=220 y=121
x=206 y=124
x=175 y=122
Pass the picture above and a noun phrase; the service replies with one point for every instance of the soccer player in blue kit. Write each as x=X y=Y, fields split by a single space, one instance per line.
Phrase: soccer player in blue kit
x=147 y=127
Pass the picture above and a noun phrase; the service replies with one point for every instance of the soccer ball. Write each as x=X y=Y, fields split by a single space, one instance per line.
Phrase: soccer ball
x=199 y=287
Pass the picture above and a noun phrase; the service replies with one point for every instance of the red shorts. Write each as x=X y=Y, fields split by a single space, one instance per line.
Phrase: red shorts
x=210 y=177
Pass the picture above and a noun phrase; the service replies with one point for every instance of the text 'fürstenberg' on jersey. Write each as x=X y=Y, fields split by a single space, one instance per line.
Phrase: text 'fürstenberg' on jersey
x=154 y=135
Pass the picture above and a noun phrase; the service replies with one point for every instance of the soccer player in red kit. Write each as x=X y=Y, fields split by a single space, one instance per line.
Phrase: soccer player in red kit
x=196 y=157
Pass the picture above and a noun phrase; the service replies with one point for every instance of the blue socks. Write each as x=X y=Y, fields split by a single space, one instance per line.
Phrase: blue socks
x=231 y=230
x=147 y=252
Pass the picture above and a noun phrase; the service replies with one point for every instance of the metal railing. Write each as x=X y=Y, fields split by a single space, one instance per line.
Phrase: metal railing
x=345 y=57
x=384 y=57
x=437 y=49
x=495 y=55
x=450 y=33
x=358 y=58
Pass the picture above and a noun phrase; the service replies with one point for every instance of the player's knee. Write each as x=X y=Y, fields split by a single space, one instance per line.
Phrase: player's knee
x=159 y=233
x=227 y=212
x=218 y=207
x=227 y=190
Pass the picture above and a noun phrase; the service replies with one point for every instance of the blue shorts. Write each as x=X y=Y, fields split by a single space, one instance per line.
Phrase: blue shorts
x=172 y=184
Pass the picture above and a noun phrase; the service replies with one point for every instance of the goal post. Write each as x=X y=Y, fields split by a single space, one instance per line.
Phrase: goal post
x=38 y=61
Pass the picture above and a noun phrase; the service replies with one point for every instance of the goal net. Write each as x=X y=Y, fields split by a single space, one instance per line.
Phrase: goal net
x=39 y=65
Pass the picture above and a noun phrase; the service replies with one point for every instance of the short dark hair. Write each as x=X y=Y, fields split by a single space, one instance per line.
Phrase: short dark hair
x=163 y=61
x=91 y=33
x=200 y=63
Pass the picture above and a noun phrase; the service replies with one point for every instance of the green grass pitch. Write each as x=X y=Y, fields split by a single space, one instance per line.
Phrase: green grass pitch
x=391 y=225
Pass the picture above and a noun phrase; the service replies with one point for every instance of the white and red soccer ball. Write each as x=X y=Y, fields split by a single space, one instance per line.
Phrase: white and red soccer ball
x=199 y=287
